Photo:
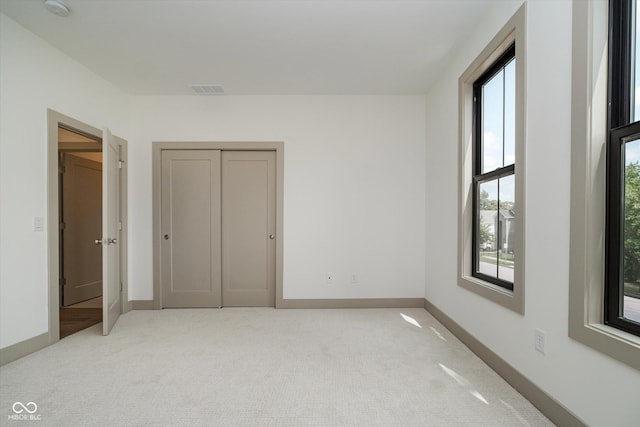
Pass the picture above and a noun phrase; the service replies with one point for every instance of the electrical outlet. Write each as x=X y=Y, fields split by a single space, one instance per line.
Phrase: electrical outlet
x=539 y=340
x=354 y=278
x=329 y=278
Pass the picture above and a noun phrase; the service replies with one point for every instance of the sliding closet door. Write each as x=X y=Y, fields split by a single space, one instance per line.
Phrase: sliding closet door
x=249 y=227
x=191 y=258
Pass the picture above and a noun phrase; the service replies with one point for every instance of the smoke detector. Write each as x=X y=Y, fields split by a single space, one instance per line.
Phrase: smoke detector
x=207 y=89
x=57 y=7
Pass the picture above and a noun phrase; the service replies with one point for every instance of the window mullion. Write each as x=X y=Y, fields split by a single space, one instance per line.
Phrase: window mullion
x=498 y=233
x=504 y=105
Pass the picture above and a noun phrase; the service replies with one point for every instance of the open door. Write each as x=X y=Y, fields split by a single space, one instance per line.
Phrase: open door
x=111 y=241
x=81 y=215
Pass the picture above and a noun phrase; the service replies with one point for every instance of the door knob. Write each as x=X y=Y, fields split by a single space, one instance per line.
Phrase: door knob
x=111 y=241
x=98 y=241
x=166 y=237
x=271 y=236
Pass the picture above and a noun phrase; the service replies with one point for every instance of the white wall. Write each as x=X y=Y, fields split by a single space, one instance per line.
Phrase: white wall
x=354 y=199
x=581 y=379
x=33 y=77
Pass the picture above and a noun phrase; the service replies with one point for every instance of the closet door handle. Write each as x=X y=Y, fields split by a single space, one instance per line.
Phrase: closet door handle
x=271 y=236
x=166 y=237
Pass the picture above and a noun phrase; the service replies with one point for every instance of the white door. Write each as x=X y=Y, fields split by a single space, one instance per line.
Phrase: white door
x=111 y=289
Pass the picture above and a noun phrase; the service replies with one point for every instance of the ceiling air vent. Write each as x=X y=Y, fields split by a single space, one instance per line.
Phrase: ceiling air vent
x=207 y=89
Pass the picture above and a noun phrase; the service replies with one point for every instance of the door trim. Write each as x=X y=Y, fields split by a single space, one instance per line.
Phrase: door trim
x=158 y=147
x=55 y=120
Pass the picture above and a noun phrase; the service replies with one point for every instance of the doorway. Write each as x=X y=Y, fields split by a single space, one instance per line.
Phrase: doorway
x=80 y=213
x=217 y=224
x=95 y=155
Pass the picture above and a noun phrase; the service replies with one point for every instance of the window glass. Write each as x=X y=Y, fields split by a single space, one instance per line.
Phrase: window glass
x=498 y=119
x=510 y=113
x=493 y=123
x=635 y=86
x=487 y=228
x=631 y=232
x=496 y=228
x=506 y=228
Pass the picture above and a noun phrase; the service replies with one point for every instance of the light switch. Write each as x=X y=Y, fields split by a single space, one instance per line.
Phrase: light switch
x=38 y=223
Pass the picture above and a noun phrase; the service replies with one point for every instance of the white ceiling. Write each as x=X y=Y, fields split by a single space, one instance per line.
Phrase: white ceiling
x=159 y=47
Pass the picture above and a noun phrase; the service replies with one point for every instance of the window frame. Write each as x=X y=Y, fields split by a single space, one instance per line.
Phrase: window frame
x=513 y=32
x=621 y=127
x=587 y=221
x=478 y=177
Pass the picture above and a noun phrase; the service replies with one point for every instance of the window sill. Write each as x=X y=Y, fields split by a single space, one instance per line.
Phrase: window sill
x=509 y=299
x=620 y=345
x=616 y=334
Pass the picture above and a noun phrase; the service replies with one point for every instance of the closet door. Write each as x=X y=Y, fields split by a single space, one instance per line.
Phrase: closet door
x=248 y=228
x=191 y=258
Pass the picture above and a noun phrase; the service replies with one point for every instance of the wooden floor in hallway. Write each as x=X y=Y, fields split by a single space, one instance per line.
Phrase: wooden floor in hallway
x=80 y=316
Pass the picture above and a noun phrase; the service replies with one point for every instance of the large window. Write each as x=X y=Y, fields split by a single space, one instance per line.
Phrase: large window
x=494 y=172
x=491 y=221
x=593 y=263
x=622 y=265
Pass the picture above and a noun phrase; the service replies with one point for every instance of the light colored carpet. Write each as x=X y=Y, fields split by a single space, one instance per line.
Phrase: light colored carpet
x=264 y=367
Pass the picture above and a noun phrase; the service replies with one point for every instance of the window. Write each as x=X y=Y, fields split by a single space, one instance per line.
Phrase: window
x=622 y=259
x=491 y=218
x=590 y=129
x=494 y=172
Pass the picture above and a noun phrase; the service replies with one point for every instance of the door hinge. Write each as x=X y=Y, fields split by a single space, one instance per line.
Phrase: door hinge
x=121 y=287
x=63 y=226
x=120 y=163
x=62 y=169
x=119 y=225
x=63 y=281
